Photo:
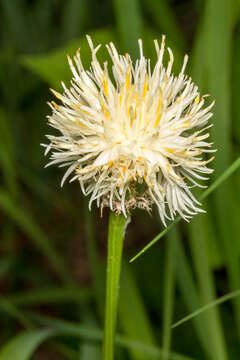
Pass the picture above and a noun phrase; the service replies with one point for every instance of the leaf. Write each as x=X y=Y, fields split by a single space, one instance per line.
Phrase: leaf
x=187 y=286
x=76 y=14
x=25 y=221
x=53 y=67
x=198 y=239
x=169 y=287
x=133 y=316
x=94 y=334
x=129 y=24
x=7 y=156
x=163 y=16
x=23 y=345
x=89 y=351
x=208 y=306
x=53 y=295
x=7 y=306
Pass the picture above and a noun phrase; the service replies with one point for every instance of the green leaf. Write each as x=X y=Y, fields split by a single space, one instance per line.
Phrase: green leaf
x=76 y=15
x=129 y=24
x=133 y=317
x=17 y=20
x=169 y=287
x=7 y=156
x=25 y=221
x=53 y=67
x=187 y=287
x=7 y=306
x=6 y=264
x=94 y=334
x=53 y=295
x=163 y=16
x=23 y=345
x=207 y=307
x=89 y=351
x=198 y=239
x=96 y=267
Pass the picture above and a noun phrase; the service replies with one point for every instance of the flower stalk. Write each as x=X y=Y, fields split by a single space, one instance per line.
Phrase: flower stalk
x=116 y=232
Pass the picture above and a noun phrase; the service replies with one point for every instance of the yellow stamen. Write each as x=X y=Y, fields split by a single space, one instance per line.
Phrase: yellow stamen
x=197 y=99
x=159 y=105
x=145 y=88
x=170 y=150
x=106 y=87
x=157 y=120
x=105 y=111
x=128 y=75
x=81 y=124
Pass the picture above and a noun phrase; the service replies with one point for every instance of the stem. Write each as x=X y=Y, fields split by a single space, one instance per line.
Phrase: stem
x=116 y=231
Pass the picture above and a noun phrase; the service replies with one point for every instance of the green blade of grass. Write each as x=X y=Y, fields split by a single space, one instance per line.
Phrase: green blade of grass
x=6 y=264
x=53 y=67
x=23 y=345
x=27 y=224
x=94 y=334
x=198 y=238
x=53 y=295
x=187 y=287
x=227 y=173
x=129 y=24
x=218 y=41
x=16 y=16
x=207 y=307
x=163 y=17
x=74 y=18
x=169 y=287
x=7 y=156
x=133 y=317
x=217 y=36
x=9 y=307
x=89 y=351
x=97 y=268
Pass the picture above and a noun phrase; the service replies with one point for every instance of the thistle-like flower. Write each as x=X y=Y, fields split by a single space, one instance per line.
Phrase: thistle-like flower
x=134 y=138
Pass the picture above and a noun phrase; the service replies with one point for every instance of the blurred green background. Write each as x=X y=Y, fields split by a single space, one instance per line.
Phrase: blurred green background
x=53 y=250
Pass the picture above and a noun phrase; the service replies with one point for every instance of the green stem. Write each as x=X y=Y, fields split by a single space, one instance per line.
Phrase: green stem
x=116 y=232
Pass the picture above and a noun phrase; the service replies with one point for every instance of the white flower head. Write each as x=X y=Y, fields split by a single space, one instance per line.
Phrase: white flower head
x=134 y=138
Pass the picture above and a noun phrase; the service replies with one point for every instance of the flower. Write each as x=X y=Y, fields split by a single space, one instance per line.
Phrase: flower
x=135 y=140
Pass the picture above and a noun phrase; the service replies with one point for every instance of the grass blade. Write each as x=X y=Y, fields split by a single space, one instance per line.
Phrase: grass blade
x=7 y=306
x=97 y=269
x=23 y=345
x=198 y=238
x=7 y=158
x=169 y=287
x=190 y=294
x=207 y=307
x=163 y=17
x=133 y=317
x=27 y=224
x=75 y=18
x=53 y=295
x=129 y=24
x=53 y=67
x=94 y=334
